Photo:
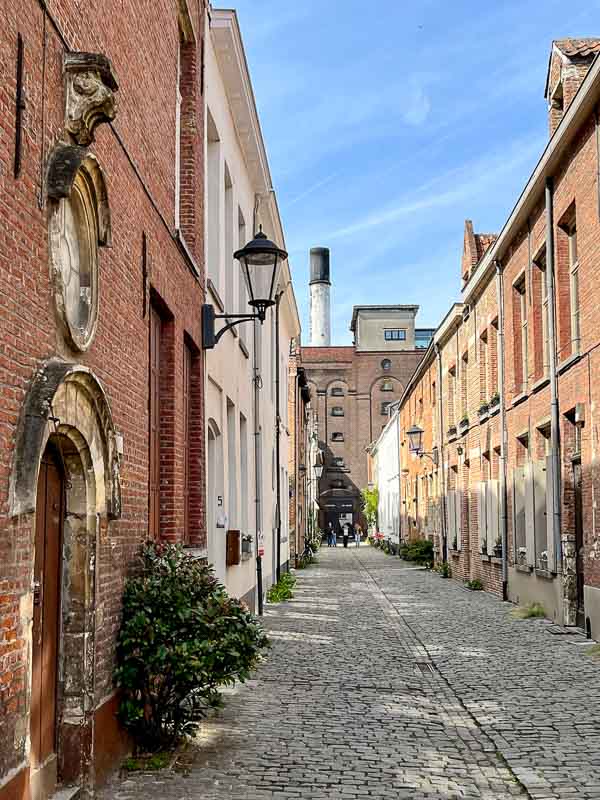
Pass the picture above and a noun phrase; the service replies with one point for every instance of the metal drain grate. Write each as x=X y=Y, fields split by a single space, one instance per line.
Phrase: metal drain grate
x=424 y=668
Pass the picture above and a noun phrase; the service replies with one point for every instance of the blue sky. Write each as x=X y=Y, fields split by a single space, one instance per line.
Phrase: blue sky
x=388 y=123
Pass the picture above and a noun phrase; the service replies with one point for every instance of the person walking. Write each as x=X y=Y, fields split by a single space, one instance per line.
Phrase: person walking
x=357 y=534
x=330 y=535
x=346 y=533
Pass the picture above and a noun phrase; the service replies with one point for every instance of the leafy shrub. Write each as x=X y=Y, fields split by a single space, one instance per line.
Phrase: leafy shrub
x=283 y=589
x=419 y=550
x=531 y=611
x=370 y=498
x=444 y=569
x=475 y=585
x=182 y=637
x=593 y=651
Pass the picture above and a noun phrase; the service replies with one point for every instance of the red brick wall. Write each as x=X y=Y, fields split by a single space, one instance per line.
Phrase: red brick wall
x=137 y=154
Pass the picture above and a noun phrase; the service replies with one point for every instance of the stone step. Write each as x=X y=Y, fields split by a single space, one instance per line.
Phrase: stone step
x=67 y=793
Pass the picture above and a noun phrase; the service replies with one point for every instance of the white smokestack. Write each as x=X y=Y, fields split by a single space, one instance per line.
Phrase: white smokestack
x=320 y=306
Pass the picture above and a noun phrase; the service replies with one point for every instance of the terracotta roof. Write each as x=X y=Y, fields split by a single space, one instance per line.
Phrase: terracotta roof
x=483 y=241
x=578 y=47
x=313 y=355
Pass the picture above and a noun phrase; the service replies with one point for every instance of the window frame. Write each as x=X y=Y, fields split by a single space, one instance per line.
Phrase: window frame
x=394 y=334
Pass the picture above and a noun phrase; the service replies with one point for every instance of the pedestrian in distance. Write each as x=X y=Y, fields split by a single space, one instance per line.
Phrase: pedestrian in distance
x=330 y=535
x=357 y=534
x=346 y=534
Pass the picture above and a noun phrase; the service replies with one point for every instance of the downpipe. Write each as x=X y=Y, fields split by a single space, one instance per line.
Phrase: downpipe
x=503 y=433
x=256 y=379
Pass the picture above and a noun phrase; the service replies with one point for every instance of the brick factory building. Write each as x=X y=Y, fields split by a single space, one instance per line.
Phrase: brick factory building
x=351 y=389
x=102 y=428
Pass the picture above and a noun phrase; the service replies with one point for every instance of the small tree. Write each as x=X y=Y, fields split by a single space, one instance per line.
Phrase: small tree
x=181 y=638
x=370 y=504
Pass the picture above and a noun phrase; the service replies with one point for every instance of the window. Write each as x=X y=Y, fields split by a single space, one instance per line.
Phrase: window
x=387 y=386
x=484 y=394
x=520 y=333
x=386 y=365
x=154 y=432
x=574 y=286
x=243 y=474
x=394 y=335
x=337 y=391
x=338 y=461
x=337 y=411
x=232 y=462
x=187 y=435
x=385 y=408
x=540 y=300
x=231 y=267
x=567 y=285
x=464 y=366
x=214 y=184
x=423 y=337
x=242 y=291
x=336 y=436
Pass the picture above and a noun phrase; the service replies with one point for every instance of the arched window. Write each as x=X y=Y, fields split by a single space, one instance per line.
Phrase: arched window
x=387 y=385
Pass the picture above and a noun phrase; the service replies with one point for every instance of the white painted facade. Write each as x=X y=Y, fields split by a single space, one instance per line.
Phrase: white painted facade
x=386 y=460
x=320 y=314
x=239 y=198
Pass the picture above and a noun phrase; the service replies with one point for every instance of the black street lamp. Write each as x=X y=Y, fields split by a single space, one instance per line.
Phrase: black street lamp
x=415 y=444
x=260 y=261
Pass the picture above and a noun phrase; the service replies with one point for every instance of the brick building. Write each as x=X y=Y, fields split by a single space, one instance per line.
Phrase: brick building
x=351 y=389
x=300 y=469
x=515 y=369
x=102 y=428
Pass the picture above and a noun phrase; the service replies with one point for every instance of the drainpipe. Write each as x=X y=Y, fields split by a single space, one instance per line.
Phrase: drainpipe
x=441 y=475
x=399 y=479
x=554 y=411
x=277 y=443
x=257 y=467
x=503 y=434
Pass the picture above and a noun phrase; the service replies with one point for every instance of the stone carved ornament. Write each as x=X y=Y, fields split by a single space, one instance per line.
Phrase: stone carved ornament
x=90 y=100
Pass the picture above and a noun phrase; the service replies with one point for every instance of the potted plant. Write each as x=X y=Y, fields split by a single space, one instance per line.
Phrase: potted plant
x=484 y=548
x=483 y=410
x=498 y=547
x=494 y=401
x=455 y=543
x=543 y=560
x=451 y=431
x=464 y=423
x=522 y=556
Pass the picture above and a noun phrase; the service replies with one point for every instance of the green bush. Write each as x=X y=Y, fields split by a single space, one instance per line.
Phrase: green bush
x=419 y=550
x=283 y=589
x=531 y=611
x=182 y=637
x=475 y=585
x=444 y=569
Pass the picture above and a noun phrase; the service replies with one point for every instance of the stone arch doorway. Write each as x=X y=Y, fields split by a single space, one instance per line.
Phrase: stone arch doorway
x=216 y=521
x=66 y=473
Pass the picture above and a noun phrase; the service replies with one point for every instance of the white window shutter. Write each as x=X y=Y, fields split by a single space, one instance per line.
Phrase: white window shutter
x=481 y=514
x=491 y=504
x=519 y=521
x=550 y=516
x=529 y=515
x=539 y=493
x=451 y=518
x=458 y=498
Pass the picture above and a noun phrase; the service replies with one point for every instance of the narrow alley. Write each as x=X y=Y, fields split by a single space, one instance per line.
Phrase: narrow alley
x=386 y=681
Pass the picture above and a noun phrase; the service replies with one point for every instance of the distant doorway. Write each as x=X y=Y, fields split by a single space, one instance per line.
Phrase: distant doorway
x=46 y=623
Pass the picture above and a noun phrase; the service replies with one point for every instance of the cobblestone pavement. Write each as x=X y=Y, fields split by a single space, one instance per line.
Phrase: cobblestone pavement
x=386 y=681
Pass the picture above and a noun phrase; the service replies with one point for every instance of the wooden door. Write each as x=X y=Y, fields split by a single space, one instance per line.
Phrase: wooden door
x=46 y=617
x=187 y=413
x=154 y=427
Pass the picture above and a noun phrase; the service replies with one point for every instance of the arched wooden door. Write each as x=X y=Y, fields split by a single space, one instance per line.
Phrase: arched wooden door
x=46 y=620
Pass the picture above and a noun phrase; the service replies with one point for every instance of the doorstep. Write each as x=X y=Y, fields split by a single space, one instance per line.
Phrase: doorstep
x=67 y=793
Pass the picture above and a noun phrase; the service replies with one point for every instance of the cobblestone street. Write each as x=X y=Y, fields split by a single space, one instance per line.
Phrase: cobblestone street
x=387 y=681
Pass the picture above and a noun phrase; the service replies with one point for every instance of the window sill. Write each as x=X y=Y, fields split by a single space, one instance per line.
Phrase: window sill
x=519 y=399
x=454 y=553
x=568 y=362
x=496 y=560
x=545 y=574
x=540 y=384
x=197 y=553
x=524 y=569
x=494 y=411
x=485 y=558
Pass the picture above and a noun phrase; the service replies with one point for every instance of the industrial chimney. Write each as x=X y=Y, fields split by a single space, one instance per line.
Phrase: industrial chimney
x=320 y=309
